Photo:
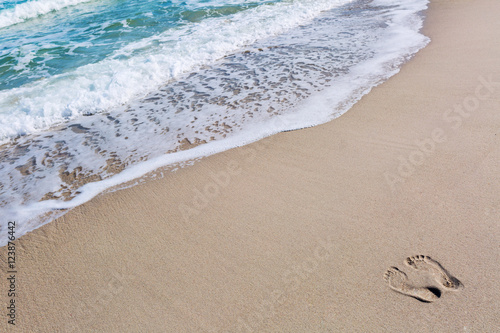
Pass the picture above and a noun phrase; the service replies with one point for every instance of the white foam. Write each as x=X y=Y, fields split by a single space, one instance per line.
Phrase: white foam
x=32 y=9
x=142 y=66
x=392 y=48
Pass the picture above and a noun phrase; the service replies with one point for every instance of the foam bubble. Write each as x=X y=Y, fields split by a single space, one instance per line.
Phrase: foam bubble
x=32 y=9
x=301 y=78
x=142 y=66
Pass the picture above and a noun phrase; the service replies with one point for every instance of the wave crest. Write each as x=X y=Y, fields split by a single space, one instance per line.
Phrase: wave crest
x=32 y=9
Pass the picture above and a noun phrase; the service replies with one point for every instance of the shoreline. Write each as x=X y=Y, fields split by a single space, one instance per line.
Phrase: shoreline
x=294 y=232
x=65 y=168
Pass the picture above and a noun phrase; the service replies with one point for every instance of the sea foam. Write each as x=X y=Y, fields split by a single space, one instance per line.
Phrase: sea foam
x=31 y=9
x=142 y=66
x=303 y=77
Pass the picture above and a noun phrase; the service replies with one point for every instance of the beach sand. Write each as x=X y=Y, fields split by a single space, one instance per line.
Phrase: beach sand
x=295 y=232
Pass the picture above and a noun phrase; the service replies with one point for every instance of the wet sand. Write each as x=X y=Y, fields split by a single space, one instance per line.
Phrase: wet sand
x=297 y=232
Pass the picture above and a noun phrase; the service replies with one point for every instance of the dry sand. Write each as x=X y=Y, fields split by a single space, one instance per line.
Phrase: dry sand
x=299 y=234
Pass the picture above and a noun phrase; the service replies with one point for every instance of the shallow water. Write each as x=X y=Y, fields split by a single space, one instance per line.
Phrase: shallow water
x=144 y=96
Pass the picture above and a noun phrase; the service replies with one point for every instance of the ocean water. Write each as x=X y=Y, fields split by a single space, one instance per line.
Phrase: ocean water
x=95 y=93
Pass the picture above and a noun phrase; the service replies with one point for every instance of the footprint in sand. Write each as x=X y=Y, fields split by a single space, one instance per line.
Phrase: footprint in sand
x=398 y=281
x=427 y=264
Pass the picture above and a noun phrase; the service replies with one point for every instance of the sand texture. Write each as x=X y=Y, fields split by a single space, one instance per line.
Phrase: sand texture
x=335 y=228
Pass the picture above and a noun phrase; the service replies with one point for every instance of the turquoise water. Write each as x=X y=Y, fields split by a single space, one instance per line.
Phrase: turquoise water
x=59 y=41
x=61 y=59
x=97 y=93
